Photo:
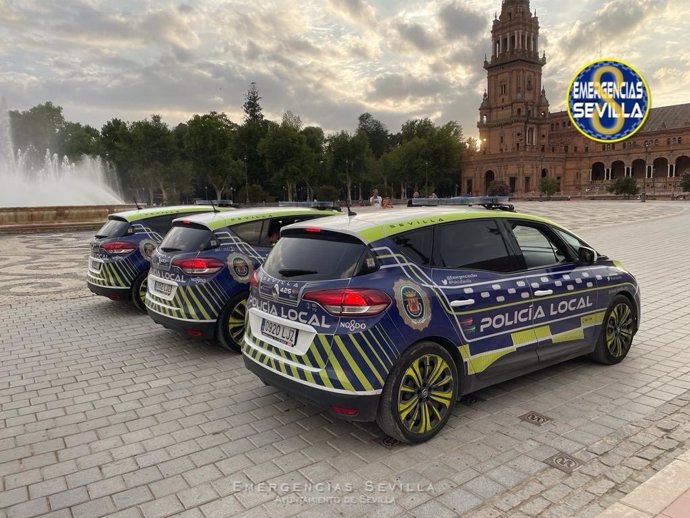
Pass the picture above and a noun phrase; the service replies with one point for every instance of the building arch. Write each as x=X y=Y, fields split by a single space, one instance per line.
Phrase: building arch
x=638 y=168
x=682 y=165
x=598 y=171
x=489 y=177
x=617 y=169
x=660 y=168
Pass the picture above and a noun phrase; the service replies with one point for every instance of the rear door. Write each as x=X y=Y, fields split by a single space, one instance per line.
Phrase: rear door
x=565 y=293
x=290 y=326
x=490 y=300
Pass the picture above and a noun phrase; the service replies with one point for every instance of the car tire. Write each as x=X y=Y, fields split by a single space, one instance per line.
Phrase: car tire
x=420 y=393
x=138 y=293
x=230 y=328
x=617 y=332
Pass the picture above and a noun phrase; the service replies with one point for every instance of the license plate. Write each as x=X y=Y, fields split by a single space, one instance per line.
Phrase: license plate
x=283 y=334
x=161 y=287
x=94 y=266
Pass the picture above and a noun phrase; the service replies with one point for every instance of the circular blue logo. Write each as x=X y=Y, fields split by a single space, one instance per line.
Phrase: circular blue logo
x=608 y=101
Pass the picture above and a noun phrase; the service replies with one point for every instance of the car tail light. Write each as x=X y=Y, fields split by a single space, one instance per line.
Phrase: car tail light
x=254 y=278
x=350 y=301
x=118 y=247
x=199 y=265
x=313 y=230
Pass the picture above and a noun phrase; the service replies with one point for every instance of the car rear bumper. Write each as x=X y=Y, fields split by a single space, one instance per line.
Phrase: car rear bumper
x=112 y=292
x=205 y=330
x=366 y=404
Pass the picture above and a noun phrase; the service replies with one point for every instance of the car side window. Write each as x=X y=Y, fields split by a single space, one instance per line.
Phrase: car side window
x=416 y=245
x=476 y=244
x=538 y=249
x=249 y=232
x=570 y=239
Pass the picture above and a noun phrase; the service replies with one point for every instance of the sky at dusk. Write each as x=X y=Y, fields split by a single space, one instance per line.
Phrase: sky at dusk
x=326 y=61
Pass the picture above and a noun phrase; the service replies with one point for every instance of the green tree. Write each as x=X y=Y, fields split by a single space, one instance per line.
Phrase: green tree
x=498 y=188
x=286 y=154
x=315 y=141
x=116 y=147
x=626 y=186
x=348 y=158
x=75 y=140
x=211 y=145
x=548 y=185
x=252 y=106
x=685 y=182
x=37 y=128
x=377 y=134
x=154 y=153
x=250 y=133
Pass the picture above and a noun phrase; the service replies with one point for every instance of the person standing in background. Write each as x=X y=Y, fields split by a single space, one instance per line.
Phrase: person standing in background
x=375 y=200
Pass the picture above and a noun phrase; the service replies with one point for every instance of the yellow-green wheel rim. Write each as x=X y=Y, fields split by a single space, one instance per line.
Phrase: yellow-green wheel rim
x=425 y=393
x=619 y=330
x=143 y=287
x=236 y=321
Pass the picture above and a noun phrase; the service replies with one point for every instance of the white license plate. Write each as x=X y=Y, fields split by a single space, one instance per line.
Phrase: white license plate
x=94 y=266
x=283 y=334
x=161 y=287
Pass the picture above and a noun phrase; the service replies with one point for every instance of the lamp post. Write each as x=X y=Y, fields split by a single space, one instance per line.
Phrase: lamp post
x=643 y=197
x=205 y=192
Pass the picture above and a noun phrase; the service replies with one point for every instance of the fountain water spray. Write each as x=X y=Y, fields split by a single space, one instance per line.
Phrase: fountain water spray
x=54 y=181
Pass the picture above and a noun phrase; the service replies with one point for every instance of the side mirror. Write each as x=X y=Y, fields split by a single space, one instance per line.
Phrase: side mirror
x=587 y=256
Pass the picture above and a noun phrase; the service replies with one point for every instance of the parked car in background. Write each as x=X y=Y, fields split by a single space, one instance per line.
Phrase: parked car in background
x=199 y=276
x=392 y=316
x=121 y=250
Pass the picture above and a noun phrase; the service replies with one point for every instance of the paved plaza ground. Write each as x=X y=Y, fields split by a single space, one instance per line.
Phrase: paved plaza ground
x=103 y=412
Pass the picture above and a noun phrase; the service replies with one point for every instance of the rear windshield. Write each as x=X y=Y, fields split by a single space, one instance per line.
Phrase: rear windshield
x=187 y=238
x=114 y=227
x=308 y=258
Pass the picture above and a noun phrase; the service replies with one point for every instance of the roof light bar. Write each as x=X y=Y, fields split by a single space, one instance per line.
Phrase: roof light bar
x=488 y=202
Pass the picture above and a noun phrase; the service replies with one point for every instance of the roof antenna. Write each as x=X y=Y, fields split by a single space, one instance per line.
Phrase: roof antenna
x=213 y=206
x=349 y=211
x=136 y=202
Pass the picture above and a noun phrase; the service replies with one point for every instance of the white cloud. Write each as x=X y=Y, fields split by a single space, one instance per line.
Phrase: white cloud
x=327 y=61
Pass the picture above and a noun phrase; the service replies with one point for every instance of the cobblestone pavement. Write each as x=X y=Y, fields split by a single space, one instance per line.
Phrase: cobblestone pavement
x=102 y=412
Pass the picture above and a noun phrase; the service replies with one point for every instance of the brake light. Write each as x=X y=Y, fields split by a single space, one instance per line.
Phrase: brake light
x=118 y=247
x=350 y=301
x=199 y=265
x=312 y=229
x=254 y=279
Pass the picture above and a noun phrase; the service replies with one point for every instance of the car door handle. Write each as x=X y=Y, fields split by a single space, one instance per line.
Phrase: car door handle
x=543 y=293
x=461 y=303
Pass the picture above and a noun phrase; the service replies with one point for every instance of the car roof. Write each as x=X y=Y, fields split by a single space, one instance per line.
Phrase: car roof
x=222 y=219
x=372 y=226
x=149 y=212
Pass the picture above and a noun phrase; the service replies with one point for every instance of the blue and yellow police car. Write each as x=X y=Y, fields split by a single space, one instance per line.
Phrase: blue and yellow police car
x=199 y=276
x=121 y=250
x=392 y=316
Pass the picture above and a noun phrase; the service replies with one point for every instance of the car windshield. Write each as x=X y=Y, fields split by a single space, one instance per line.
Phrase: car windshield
x=114 y=227
x=311 y=258
x=187 y=238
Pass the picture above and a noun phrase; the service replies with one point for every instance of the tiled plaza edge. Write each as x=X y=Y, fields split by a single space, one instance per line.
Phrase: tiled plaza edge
x=102 y=412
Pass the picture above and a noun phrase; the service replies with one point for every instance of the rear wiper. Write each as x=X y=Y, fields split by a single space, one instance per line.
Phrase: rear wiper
x=294 y=271
x=170 y=249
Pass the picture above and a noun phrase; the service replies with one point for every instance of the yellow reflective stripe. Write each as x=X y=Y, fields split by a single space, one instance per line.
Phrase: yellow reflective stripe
x=366 y=359
x=199 y=305
x=353 y=365
x=187 y=304
x=567 y=336
x=340 y=374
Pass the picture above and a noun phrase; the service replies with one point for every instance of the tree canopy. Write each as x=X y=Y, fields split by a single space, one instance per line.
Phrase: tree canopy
x=255 y=160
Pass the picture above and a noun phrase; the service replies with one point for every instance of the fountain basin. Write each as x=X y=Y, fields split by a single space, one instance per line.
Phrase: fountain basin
x=64 y=217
